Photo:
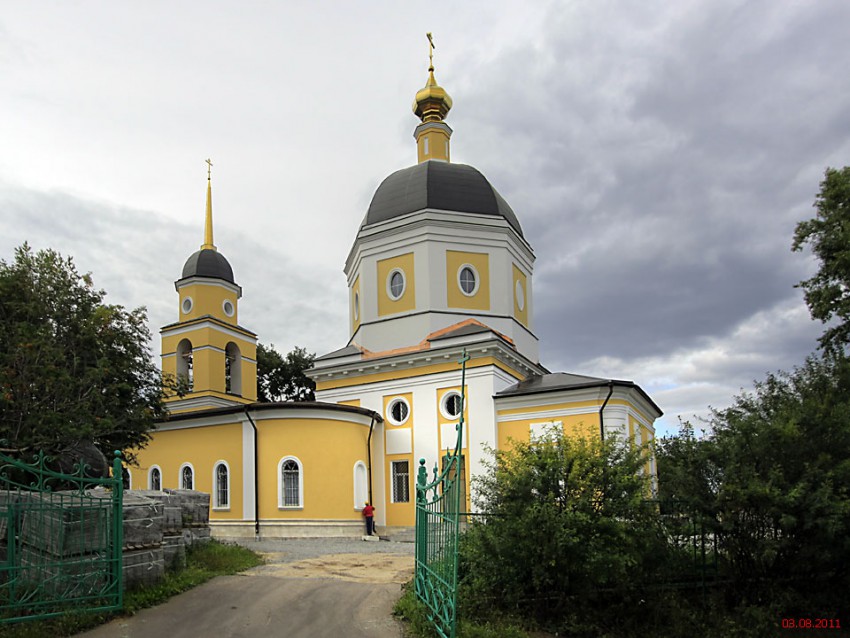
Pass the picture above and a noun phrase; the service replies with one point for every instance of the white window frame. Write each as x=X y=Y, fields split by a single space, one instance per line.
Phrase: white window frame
x=180 y=476
x=392 y=480
x=403 y=284
x=360 y=499
x=186 y=305
x=474 y=274
x=389 y=414
x=357 y=306
x=150 y=477
x=443 y=403
x=216 y=505
x=224 y=305
x=280 y=492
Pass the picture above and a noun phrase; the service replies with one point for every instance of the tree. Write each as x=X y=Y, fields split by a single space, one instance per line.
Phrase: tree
x=282 y=378
x=565 y=518
x=73 y=369
x=828 y=291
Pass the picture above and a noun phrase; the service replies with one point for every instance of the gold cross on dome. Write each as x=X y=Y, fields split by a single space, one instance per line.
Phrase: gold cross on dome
x=209 y=168
x=431 y=48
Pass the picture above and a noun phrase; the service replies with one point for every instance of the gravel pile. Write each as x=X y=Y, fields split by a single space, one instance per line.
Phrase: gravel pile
x=294 y=549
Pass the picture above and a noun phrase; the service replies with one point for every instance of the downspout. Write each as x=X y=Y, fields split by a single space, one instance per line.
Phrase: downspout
x=369 y=454
x=256 y=480
x=601 y=422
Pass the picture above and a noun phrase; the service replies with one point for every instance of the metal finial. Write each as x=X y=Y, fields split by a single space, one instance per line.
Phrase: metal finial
x=209 y=168
x=431 y=47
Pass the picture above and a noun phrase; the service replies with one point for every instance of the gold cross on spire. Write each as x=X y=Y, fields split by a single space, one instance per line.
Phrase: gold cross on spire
x=431 y=48
x=209 y=168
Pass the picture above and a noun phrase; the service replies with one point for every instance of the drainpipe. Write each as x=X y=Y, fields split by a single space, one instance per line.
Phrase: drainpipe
x=256 y=481
x=601 y=422
x=369 y=454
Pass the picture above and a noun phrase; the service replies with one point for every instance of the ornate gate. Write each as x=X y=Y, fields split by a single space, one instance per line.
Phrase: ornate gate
x=438 y=510
x=60 y=540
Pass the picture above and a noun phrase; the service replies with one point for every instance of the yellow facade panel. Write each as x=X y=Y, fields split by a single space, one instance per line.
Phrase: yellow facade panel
x=405 y=301
x=456 y=297
x=520 y=294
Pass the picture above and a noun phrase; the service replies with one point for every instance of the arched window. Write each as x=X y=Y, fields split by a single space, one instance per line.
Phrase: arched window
x=221 y=481
x=361 y=485
x=187 y=477
x=291 y=483
x=184 y=362
x=232 y=369
x=155 y=478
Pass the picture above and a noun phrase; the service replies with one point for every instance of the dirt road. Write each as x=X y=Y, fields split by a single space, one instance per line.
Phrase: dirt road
x=342 y=594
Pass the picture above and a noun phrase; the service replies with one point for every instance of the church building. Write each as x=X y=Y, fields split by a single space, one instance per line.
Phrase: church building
x=439 y=266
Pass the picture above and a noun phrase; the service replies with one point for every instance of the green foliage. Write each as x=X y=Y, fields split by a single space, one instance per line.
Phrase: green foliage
x=72 y=368
x=564 y=519
x=772 y=478
x=282 y=378
x=828 y=234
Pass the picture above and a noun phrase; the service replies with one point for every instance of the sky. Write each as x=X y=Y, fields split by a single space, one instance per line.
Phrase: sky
x=657 y=154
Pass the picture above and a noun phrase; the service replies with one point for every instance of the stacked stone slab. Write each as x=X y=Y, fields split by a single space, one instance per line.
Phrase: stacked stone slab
x=144 y=558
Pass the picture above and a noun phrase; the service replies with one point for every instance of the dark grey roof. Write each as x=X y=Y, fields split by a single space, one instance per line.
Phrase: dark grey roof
x=537 y=383
x=208 y=263
x=441 y=186
x=347 y=351
x=470 y=329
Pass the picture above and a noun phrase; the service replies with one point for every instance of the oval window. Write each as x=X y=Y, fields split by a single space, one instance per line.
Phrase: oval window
x=467 y=280
x=520 y=295
x=356 y=306
x=395 y=284
x=228 y=308
x=398 y=411
x=186 y=305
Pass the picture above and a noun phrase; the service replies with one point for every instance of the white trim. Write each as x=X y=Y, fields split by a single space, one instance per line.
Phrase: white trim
x=280 y=504
x=475 y=275
x=180 y=476
x=129 y=478
x=389 y=414
x=232 y=307
x=389 y=284
x=357 y=306
x=208 y=281
x=360 y=499
x=206 y=323
x=183 y=309
x=443 y=409
x=249 y=506
x=150 y=471
x=214 y=499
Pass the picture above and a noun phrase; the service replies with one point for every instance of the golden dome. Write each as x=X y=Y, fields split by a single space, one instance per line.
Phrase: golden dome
x=432 y=102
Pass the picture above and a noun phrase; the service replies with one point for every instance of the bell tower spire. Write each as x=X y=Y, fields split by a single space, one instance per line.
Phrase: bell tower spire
x=431 y=105
x=208 y=225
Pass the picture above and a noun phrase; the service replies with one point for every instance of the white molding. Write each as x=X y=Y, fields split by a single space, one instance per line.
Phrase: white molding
x=214 y=499
x=209 y=281
x=359 y=502
x=180 y=475
x=206 y=323
x=150 y=471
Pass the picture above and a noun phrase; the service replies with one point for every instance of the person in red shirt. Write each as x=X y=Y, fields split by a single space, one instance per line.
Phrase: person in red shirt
x=369 y=513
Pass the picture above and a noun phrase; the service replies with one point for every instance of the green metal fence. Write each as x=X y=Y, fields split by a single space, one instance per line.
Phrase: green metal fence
x=60 y=540
x=438 y=510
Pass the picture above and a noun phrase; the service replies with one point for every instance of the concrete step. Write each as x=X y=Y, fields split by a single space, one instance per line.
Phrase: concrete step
x=397 y=534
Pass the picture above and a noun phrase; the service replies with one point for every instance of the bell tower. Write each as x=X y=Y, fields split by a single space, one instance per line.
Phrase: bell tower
x=206 y=348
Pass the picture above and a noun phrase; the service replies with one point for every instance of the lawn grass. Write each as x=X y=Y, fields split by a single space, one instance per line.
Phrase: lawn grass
x=203 y=562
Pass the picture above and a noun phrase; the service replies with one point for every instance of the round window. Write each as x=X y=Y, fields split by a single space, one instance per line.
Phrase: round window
x=467 y=279
x=395 y=284
x=356 y=306
x=228 y=308
x=398 y=411
x=186 y=306
x=451 y=406
x=520 y=295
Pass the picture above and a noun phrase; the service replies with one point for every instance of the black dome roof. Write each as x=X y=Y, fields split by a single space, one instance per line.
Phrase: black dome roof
x=439 y=185
x=208 y=263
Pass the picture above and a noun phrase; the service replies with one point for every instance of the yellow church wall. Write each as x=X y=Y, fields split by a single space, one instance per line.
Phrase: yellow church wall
x=355 y=403
x=433 y=144
x=407 y=301
x=327 y=450
x=202 y=448
x=207 y=299
x=207 y=335
x=574 y=425
x=520 y=279
x=455 y=297
x=399 y=514
x=414 y=372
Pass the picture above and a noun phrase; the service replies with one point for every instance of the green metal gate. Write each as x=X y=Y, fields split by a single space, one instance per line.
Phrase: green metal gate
x=60 y=540
x=438 y=509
